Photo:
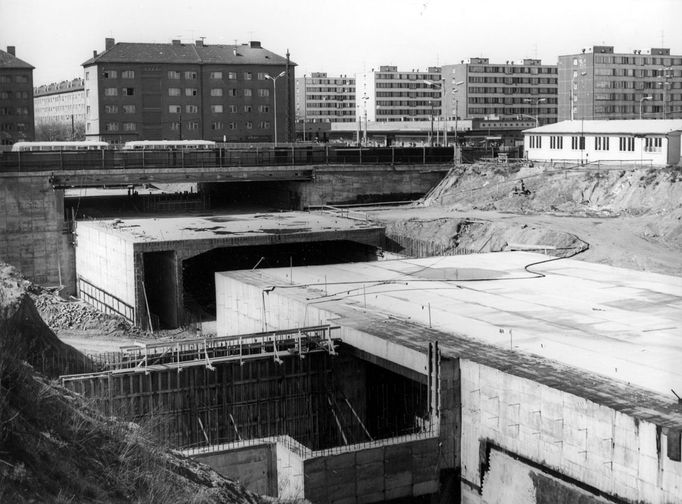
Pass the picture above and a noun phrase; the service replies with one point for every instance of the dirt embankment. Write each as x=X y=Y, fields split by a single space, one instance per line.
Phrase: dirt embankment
x=55 y=447
x=631 y=218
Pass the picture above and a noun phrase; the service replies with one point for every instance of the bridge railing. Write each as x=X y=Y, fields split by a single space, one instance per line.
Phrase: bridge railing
x=112 y=159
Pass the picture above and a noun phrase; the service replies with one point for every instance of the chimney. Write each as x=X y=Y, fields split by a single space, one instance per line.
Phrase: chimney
x=255 y=44
x=200 y=43
x=109 y=43
x=94 y=53
x=12 y=50
x=176 y=41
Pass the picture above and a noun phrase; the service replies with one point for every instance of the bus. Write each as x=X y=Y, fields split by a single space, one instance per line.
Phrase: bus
x=58 y=146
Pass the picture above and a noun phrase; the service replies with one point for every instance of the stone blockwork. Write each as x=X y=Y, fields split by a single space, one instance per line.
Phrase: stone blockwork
x=33 y=237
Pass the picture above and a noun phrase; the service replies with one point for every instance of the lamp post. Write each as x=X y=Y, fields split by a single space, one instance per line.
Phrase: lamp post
x=641 y=100
x=364 y=107
x=274 y=92
x=305 y=103
x=538 y=101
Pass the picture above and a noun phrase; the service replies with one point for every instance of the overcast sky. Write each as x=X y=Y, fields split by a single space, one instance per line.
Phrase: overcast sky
x=340 y=36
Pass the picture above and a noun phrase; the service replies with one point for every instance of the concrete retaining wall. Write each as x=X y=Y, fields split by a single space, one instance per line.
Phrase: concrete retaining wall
x=581 y=441
x=32 y=234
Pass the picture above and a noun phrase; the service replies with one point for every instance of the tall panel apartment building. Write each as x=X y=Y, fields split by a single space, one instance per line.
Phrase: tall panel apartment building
x=60 y=102
x=320 y=98
x=16 y=98
x=480 y=89
x=392 y=95
x=139 y=91
x=601 y=84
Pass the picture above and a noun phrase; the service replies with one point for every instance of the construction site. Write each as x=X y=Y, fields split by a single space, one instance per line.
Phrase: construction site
x=491 y=332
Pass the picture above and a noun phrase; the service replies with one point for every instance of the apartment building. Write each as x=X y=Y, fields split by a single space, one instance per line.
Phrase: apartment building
x=324 y=99
x=16 y=98
x=598 y=83
x=478 y=89
x=231 y=93
x=389 y=94
x=60 y=102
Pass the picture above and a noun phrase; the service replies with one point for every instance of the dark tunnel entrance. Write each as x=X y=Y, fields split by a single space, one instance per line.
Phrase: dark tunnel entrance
x=198 y=272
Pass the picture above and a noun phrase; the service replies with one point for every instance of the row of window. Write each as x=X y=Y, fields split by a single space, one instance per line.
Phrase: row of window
x=126 y=91
x=512 y=80
x=507 y=101
x=542 y=111
x=637 y=96
x=190 y=125
x=634 y=60
x=19 y=79
x=405 y=103
x=189 y=109
x=512 y=90
x=601 y=143
x=175 y=75
x=606 y=84
x=12 y=126
x=319 y=89
x=13 y=111
x=508 y=69
x=637 y=72
x=327 y=105
x=407 y=76
x=16 y=95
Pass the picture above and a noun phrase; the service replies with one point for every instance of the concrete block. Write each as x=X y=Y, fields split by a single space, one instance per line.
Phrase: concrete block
x=397 y=492
x=370 y=498
x=425 y=488
x=341 y=490
x=340 y=461
x=398 y=479
x=370 y=485
x=369 y=456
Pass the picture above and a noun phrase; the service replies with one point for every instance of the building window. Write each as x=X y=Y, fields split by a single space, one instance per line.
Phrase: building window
x=231 y=92
x=174 y=109
x=128 y=109
x=5 y=79
x=217 y=125
x=216 y=75
x=248 y=76
x=172 y=75
x=193 y=125
x=233 y=108
x=173 y=91
x=175 y=126
x=109 y=74
x=653 y=144
x=247 y=92
x=264 y=125
x=111 y=109
x=217 y=109
x=87 y=75
x=626 y=144
x=601 y=143
x=232 y=76
x=233 y=125
x=535 y=142
x=111 y=126
x=111 y=91
x=556 y=142
x=216 y=92
x=22 y=110
x=261 y=76
x=263 y=108
x=249 y=124
x=191 y=75
x=129 y=126
x=576 y=143
x=191 y=92
x=248 y=108
x=263 y=92
x=128 y=91
x=128 y=74
x=191 y=109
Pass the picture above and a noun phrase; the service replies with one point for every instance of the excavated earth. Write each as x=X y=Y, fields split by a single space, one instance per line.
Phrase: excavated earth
x=57 y=448
x=625 y=217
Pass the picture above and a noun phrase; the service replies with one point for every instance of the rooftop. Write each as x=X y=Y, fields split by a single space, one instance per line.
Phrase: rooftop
x=613 y=322
x=232 y=227
x=8 y=60
x=615 y=127
x=200 y=53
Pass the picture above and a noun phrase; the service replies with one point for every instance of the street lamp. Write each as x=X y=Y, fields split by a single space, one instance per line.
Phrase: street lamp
x=305 y=103
x=641 y=100
x=439 y=85
x=274 y=92
x=538 y=101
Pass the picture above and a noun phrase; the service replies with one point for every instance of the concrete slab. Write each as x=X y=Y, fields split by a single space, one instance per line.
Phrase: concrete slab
x=619 y=323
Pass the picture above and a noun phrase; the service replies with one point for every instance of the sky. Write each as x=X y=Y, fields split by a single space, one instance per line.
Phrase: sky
x=341 y=36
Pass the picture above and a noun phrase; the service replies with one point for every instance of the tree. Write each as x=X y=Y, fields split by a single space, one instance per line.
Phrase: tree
x=59 y=131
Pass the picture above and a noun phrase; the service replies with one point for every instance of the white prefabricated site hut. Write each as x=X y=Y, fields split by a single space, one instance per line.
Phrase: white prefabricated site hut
x=650 y=142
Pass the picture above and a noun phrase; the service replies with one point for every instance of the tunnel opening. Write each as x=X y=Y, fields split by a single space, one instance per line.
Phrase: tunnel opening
x=160 y=288
x=198 y=272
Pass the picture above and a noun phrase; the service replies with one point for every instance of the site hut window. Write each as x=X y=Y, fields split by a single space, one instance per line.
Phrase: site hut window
x=110 y=74
x=191 y=75
x=216 y=75
x=653 y=144
x=111 y=91
x=216 y=92
x=626 y=144
x=575 y=142
x=173 y=91
x=128 y=74
x=556 y=142
x=601 y=143
x=128 y=109
x=535 y=142
x=173 y=75
x=217 y=109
